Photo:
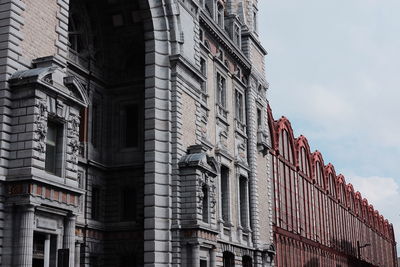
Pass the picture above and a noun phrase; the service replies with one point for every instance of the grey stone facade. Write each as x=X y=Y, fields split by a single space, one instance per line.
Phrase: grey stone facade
x=133 y=133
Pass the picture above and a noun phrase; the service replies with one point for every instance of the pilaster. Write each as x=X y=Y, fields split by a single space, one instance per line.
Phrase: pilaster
x=69 y=238
x=24 y=249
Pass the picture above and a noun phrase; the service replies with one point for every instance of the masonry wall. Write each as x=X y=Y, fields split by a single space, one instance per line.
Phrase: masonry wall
x=40 y=19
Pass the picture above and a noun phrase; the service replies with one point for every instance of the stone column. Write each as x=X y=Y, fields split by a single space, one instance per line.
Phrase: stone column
x=213 y=257
x=195 y=255
x=47 y=251
x=25 y=243
x=77 y=254
x=69 y=238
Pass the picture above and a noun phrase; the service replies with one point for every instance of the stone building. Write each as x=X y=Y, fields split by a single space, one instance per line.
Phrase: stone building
x=133 y=133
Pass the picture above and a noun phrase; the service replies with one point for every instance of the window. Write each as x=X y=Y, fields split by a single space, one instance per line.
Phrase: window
x=236 y=35
x=94 y=125
x=54 y=142
x=259 y=118
x=203 y=70
x=95 y=211
x=83 y=125
x=247 y=261
x=255 y=21
x=201 y=35
x=203 y=263
x=228 y=259
x=221 y=90
x=128 y=204
x=220 y=14
x=205 y=203
x=75 y=34
x=130 y=125
x=239 y=106
x=243 y=201
x=225 y=193
x=319 y=174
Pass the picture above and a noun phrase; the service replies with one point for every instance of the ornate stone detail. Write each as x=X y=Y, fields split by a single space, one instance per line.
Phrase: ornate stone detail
x=74 y=137
x=75 y=145
x=41 y=126
x=209 y=181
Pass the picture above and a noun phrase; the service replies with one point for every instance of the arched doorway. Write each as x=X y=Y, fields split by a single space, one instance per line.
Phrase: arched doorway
x=112 y=51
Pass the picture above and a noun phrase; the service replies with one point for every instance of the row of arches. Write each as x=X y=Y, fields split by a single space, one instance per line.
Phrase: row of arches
x=310 y=165
x=312 y=201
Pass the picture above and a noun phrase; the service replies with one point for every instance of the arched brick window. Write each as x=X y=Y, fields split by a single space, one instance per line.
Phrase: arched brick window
x=304 y=162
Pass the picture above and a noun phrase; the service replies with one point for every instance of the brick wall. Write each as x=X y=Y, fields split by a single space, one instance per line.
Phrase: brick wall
x=40 y=20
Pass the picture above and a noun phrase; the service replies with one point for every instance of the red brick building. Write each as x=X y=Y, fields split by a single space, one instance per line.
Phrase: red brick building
x=319 y=219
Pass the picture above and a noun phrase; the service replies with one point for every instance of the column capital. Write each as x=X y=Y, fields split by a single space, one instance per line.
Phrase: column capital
x=28 y=207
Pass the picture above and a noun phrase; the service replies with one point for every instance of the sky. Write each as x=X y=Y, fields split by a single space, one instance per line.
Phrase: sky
x=333 y=71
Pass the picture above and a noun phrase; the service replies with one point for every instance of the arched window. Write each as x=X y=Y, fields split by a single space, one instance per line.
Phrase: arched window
x=332 y=185
x=285 y=146
x=304 y=162
x=319 y=176
x=228 y=259
x=342 y=196
x=351 y=200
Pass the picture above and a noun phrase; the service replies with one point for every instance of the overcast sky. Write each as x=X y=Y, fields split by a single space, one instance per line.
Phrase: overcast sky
x=333 y=69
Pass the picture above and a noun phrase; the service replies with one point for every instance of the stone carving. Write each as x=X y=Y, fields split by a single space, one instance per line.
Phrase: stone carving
x=75 y=145
x=41 y=126
x=74 y=137
x=209 y=181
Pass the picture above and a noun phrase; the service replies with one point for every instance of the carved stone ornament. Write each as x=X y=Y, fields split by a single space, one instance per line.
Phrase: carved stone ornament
x=74 y=136
x=41 y=126
x=209 y=181
x=74 y=120
x=75 y=145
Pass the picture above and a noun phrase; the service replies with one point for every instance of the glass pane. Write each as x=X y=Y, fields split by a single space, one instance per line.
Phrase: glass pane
x=51 y=134
x=50 y=163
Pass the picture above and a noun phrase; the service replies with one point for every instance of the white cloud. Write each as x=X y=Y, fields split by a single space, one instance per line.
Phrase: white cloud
x=378 y=190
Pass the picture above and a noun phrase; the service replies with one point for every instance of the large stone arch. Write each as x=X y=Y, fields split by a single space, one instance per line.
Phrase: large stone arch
x=158 y=158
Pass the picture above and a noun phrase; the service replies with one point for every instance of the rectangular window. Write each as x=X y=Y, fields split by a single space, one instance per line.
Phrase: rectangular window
x=131 y=125
x=94 y=125
x=236 y=34
x=243 y=198
x=203 y=263
x=205 y=204
x=255 y=21
x=203 y=70
x=225 y=205
x=54 y=141
x=83 y=125
x=95 y=211
x=259 y=118
x=128 y=204
x=220 y=15
x=221 y=90
x=239 y=106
